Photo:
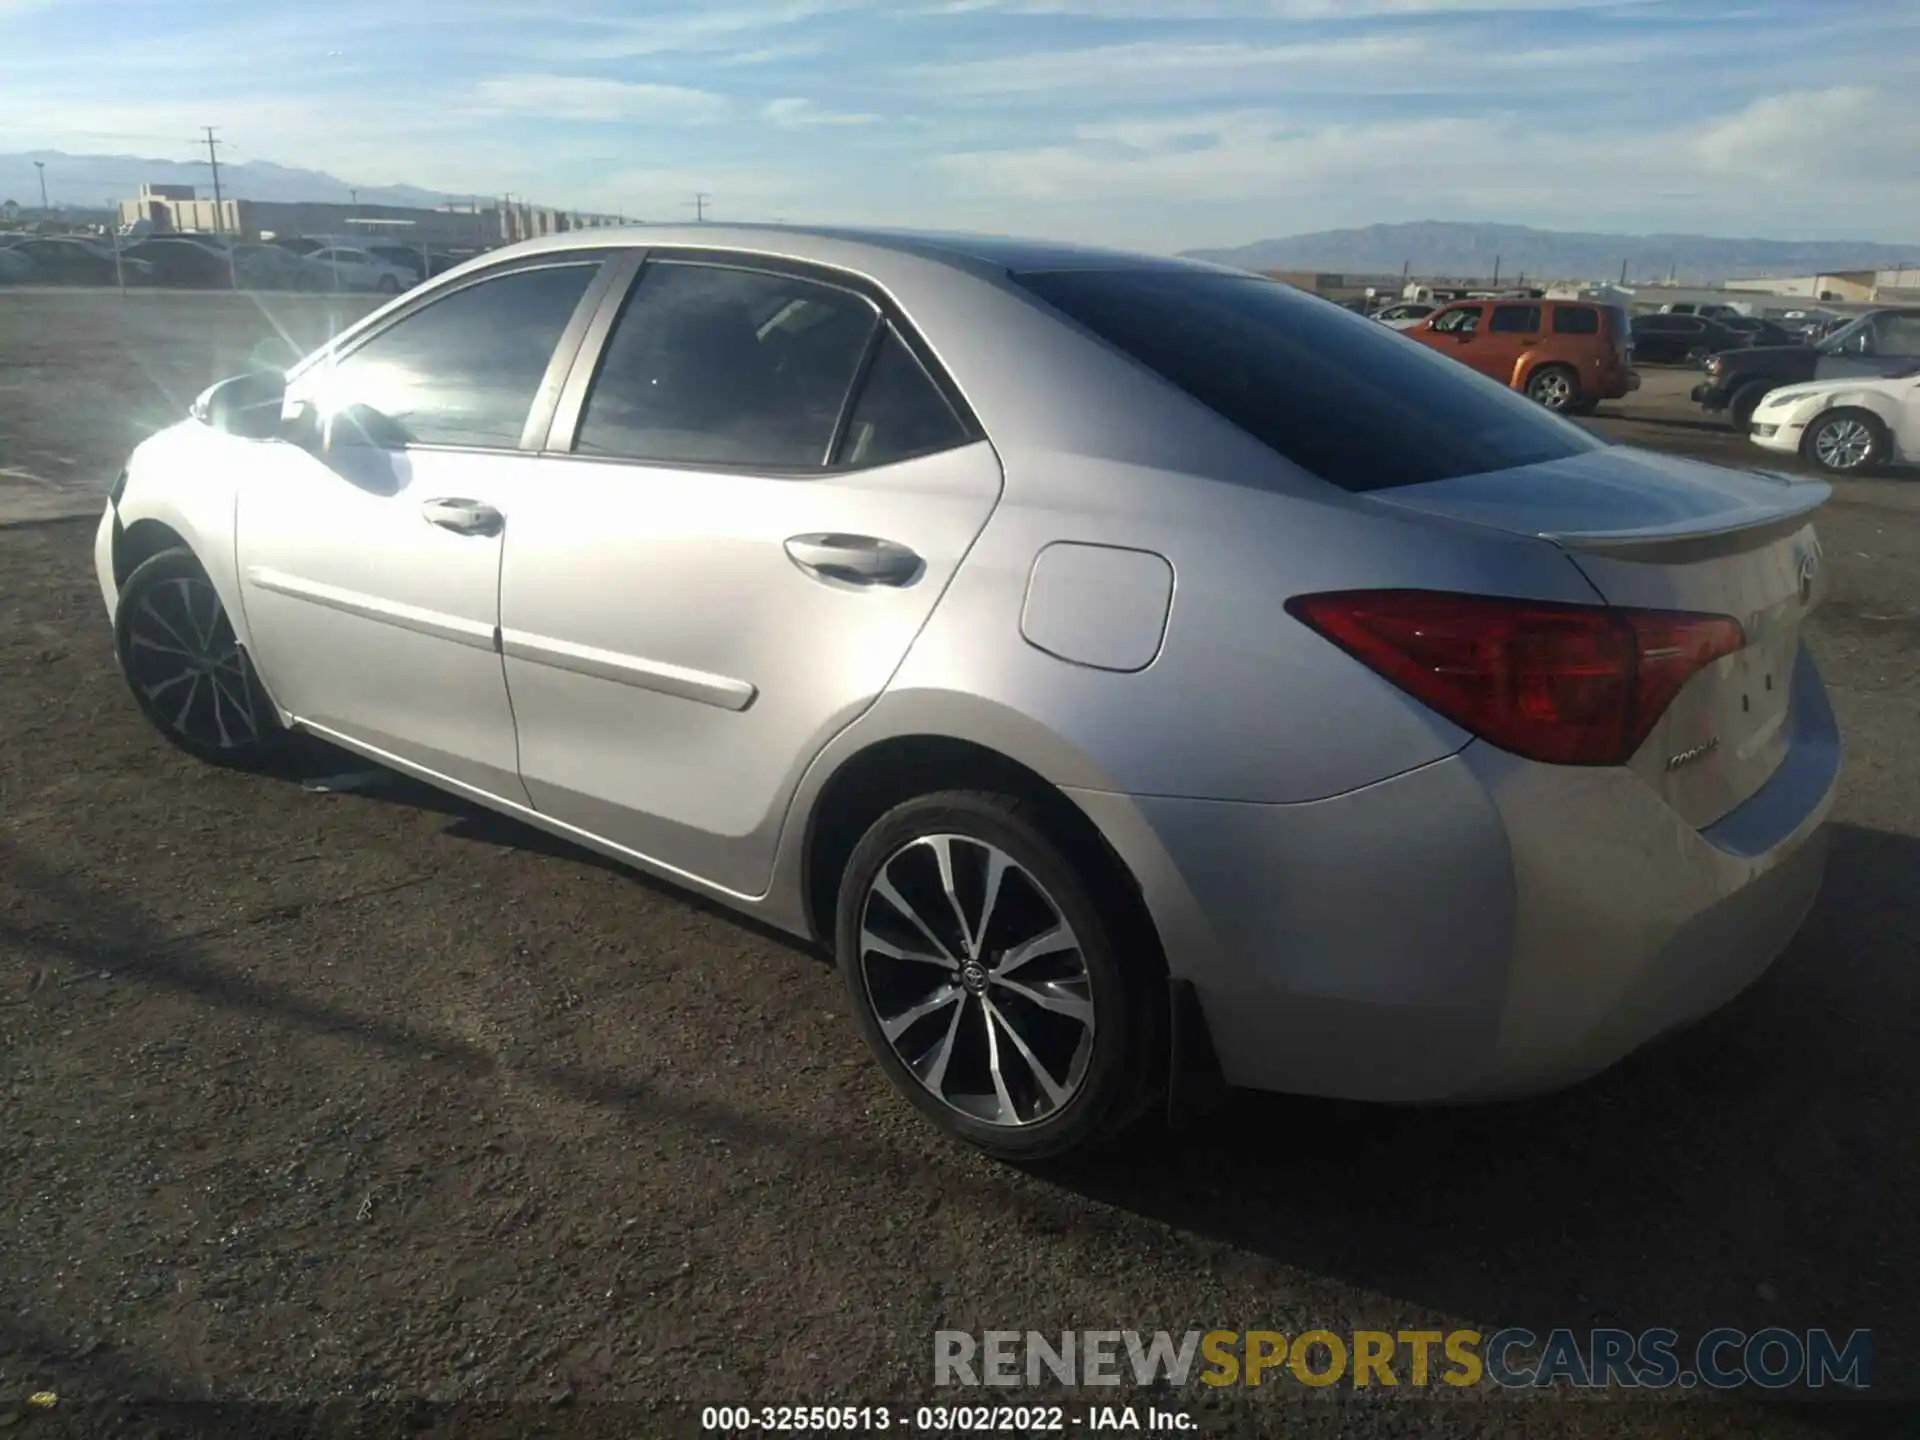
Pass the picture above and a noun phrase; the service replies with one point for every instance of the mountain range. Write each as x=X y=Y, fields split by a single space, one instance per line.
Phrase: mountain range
x=1427 y=247
x=89 y=181
x=1448 y=248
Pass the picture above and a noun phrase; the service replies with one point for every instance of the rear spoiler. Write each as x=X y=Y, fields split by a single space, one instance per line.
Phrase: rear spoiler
x=1686 y=540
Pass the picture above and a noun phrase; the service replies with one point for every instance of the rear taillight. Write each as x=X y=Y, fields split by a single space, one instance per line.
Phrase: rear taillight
x=1567 y=684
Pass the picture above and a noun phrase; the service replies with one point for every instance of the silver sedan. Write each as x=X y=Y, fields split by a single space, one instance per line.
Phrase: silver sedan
x=1143 y=676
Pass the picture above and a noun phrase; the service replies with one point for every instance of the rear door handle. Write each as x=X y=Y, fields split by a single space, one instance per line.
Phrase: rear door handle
x=854 y=559
x=464 y=517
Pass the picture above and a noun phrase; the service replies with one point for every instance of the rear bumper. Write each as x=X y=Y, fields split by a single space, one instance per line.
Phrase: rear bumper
x=1481 y=926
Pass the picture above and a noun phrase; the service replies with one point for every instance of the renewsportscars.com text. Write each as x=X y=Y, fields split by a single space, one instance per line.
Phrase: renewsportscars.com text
x=1721 y=1359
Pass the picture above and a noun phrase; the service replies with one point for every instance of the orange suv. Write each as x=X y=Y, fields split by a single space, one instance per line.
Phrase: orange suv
x=1568 y=355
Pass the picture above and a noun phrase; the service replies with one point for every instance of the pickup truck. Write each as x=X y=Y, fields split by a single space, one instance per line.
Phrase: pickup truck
x=1880 y=342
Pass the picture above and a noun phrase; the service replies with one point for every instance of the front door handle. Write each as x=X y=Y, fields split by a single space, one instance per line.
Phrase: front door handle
x=464 y=517
x=854 y=559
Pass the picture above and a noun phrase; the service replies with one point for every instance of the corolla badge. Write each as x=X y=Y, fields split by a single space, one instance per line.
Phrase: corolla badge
x=1698 y=752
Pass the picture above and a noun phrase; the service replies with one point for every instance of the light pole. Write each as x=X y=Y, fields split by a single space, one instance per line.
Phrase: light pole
x=41 y=166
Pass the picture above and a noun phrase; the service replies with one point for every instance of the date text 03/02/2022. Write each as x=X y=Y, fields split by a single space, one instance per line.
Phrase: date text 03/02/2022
x=943 y=1419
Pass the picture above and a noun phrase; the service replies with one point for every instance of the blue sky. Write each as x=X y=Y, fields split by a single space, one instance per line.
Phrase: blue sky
x=1160 y=123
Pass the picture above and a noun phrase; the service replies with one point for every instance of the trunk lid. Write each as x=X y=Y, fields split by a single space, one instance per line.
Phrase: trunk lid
x=1661 y=533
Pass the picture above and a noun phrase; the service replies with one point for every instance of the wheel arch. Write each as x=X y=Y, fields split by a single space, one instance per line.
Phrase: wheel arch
x=1869 y=402
x=181 y=489
x=1528 y=366
x=871 y=780
x=139 y=542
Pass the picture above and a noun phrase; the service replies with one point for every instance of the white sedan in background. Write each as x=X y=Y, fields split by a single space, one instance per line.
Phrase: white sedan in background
x=1845 y=426
x=357 y=269
x=1405 y=315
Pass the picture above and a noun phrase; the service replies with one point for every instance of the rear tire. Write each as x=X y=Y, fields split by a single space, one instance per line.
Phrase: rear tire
x=387 y=285
x=1846 y=442
x=186 y=668
x=1023 y=1058
x=1554 y=387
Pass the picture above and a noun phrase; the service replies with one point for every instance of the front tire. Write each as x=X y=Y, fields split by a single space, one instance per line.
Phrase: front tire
x=1744 y=403
x=186 y=668
x=1845 y=442
x=1555 y=388
x=988 y=981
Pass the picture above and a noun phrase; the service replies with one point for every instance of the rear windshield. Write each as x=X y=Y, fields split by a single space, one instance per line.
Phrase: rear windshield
x=1343 y=397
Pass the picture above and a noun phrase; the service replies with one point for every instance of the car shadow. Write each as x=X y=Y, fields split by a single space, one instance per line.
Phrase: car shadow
x=1673 y=422
x=309 y=762
x=1755 y=1169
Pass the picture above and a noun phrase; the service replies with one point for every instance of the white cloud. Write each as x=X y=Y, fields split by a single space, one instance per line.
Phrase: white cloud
x=1394 y=62
x=1748 y=164
x=797 y=114
x=670 y=31
x=1271 y=9
x=579 y=97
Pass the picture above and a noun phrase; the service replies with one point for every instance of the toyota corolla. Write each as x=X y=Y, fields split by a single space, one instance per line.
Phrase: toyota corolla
x=1141 y=675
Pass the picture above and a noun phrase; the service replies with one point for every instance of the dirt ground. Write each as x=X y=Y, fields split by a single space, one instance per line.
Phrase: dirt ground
x=373 y=1101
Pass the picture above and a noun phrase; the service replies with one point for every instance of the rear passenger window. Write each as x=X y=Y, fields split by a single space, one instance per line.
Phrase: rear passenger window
x=900 y=413
x=708 y=365
x=1575 y=320
x=1515 y=320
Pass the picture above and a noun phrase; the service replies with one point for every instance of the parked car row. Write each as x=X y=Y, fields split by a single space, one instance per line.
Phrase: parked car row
x=1848 y=403
x=216 y=262
x=1681 y=339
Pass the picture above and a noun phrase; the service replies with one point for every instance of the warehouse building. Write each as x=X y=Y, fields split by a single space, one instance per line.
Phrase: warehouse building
x=175 y=209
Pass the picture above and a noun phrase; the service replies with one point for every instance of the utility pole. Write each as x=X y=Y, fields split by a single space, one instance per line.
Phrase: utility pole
x=41 y=166
x=1623 y=274
x=1496 y=272
x=213 y=159
x=699 y=204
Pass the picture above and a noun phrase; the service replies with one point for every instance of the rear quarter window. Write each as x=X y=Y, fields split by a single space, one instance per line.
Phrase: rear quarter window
x=1343 y=397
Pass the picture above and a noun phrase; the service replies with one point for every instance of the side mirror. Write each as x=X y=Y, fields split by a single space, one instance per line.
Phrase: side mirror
x=362 y=427
x=246 y=405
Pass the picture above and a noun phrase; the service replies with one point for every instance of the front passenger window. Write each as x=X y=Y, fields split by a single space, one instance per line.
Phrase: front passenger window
x=463 y=370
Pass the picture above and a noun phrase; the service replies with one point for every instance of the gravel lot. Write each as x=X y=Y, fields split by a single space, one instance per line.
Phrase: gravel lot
x=370 y=1098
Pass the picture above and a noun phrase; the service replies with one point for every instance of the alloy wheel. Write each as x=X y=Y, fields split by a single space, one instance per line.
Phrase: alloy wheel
x=1553 y=390
x=977 y=981
x=1843 y=444
x=183 y=656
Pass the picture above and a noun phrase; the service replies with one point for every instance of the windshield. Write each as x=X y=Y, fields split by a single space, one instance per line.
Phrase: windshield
x=1847 y=337
x=1343 y=397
